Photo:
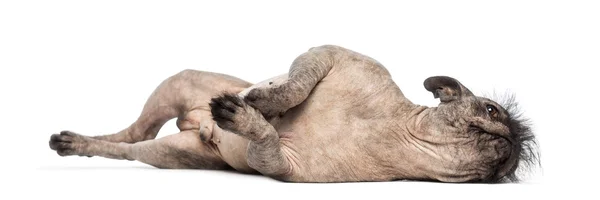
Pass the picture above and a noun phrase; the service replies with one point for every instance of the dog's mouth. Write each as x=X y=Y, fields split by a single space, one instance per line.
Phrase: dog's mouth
x=479 y=130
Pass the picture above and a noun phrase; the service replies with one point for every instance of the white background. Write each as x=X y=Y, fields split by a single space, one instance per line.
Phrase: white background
x=88 y=66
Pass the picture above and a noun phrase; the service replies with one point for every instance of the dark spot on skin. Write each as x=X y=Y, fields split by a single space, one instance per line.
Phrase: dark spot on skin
x=202 y=137
x=271 y=83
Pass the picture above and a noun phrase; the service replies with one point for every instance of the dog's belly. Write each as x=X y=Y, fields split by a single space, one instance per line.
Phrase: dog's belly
x=233 y=149
x=230 y=147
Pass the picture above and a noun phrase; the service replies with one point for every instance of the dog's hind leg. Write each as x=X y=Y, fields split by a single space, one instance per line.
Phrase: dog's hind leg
x=177 y=96
x=183 y=150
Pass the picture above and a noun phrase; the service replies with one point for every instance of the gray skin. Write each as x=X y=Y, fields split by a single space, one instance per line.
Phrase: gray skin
x=337 y=116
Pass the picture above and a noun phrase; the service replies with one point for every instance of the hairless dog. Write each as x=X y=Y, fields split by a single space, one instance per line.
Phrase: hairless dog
x=336 y=116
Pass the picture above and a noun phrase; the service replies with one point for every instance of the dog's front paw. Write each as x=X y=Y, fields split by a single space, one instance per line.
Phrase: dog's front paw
x=68 y=143
x=233 y=114
x=271 y=101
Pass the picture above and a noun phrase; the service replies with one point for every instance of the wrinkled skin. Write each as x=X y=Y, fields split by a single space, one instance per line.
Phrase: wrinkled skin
x=337 y=116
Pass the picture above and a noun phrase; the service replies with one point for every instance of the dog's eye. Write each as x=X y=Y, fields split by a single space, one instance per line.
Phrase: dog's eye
x=492 y=111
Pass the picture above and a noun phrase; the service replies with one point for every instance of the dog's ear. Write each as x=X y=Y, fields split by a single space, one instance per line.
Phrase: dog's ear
x=446 y=88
